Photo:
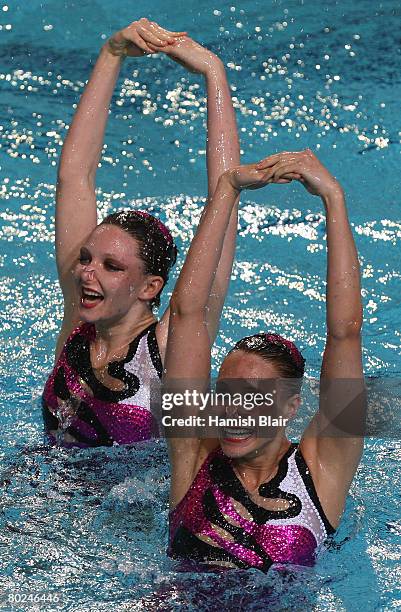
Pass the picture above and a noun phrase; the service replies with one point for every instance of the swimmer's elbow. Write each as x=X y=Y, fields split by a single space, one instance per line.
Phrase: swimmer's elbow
x=73 y=171
x=183 y=307
x=345 y=330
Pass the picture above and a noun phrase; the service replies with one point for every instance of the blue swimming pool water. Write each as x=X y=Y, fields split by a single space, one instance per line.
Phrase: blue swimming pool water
x=90 y=526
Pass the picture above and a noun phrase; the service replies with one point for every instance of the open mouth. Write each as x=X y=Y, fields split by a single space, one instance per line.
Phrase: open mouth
x=90 y=298
x=230 y=434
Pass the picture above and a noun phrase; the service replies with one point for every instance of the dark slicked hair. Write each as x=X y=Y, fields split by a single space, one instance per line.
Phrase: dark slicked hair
x=278 y=351
x=156 y=245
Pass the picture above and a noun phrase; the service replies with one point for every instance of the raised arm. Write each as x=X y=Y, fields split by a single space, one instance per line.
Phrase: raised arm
x=332 y=443
x=222 y=153
x=75 y=200
x=340 y=421
x=188 y=347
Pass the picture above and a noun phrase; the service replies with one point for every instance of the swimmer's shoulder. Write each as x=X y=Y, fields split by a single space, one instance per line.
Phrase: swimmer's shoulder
x=161 y=332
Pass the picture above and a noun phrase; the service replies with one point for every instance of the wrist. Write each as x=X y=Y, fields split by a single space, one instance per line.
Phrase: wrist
x=109 y=61
x=117 y=45
x=227 y=182
x=214 y=69
x=334 y=197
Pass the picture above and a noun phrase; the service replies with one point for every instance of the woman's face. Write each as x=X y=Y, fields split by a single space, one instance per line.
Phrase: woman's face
x=109 y=275
x=254 y=375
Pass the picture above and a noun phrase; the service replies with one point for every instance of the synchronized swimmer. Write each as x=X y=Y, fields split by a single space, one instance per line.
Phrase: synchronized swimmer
x=248 y=499
x=111 y=346
x=240 y=499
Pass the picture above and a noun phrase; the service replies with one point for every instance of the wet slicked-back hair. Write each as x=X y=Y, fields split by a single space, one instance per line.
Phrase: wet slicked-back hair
x=156 y=246
x=277 y=351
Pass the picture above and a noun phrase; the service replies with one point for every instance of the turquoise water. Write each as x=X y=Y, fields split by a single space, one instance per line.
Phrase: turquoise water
x=90 y=525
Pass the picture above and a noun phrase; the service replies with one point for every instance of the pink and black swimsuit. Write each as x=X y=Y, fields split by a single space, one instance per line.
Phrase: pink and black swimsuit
x=76 y=402
x=218 y=523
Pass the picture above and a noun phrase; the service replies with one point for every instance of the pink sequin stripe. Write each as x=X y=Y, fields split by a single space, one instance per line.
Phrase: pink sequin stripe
x=49 y=396
x=192 y=499
x=283 y=543
x=125 y=423
x=239 y=551
x=189 y=512
x=164 y=230
x=296 y=355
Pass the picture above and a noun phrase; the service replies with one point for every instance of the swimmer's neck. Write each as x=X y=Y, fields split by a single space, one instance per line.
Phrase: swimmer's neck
x=112 y=335
x=260 y=465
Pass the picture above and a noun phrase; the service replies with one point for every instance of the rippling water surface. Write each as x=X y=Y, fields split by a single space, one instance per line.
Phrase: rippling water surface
x=90 y=525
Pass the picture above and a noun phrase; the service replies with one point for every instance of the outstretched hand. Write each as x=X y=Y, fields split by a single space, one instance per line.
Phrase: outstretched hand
x=303 y=166
x=144 y=37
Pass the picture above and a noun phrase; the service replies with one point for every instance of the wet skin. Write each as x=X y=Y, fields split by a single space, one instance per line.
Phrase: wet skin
x=109 y=265
x=249 y=367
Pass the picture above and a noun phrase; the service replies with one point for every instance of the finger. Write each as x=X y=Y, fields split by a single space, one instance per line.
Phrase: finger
x=172 y=33
x=162 y=32
x=289 y=162
x=268 y=161
x=288 y=178
x=262 y=175
x=155 y=24
x=154 y=49
x=146 y=33
x=177 y=33
x=292 y=176
x=279 y=174
x=283 y=169
x=274 y=159
x=140 y=43
x=144 y=22
x=167 y=50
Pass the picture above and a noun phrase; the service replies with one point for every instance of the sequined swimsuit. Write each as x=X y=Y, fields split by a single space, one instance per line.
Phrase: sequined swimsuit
x=75 y=401
x=218 y=523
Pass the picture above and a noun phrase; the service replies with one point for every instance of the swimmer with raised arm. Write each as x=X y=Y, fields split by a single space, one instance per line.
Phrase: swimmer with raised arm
x=243 y=501
x=111 y=346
